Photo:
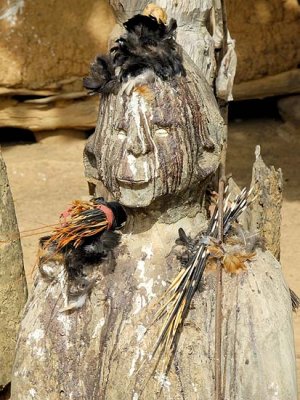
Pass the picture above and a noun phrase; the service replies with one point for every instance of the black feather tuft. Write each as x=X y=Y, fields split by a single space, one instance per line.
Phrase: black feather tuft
x=100 y=246
x=146 y=27
x=102 y=77
x=190 y=247
x=148 y=44
x=92 y=251
x=295 y=300
x=183 y=237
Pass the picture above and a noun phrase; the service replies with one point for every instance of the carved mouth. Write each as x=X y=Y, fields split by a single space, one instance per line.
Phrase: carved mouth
x=136 y=193
x=131 y=182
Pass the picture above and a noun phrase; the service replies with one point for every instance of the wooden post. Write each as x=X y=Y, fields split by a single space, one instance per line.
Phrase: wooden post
x=13 y=289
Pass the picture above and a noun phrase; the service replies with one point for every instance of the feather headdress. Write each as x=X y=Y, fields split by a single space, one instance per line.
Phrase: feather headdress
x=148 y=44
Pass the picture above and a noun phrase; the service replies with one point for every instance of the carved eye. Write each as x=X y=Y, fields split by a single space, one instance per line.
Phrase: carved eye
x=121 y=134
x=161 y=133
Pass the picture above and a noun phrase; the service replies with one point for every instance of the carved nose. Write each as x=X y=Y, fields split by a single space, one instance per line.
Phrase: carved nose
x=137 y=143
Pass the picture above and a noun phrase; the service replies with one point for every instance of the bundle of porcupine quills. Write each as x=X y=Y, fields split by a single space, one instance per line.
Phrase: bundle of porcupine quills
x=234 y=252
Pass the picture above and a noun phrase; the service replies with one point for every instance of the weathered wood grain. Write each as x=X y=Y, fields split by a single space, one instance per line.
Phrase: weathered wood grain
x=13 y=289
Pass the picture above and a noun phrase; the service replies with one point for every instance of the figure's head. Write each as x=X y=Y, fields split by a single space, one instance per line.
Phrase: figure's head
x=155 y=136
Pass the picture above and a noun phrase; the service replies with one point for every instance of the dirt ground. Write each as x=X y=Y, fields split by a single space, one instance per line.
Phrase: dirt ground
x=47 y=175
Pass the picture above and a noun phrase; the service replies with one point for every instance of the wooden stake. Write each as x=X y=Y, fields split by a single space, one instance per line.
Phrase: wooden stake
x=219 y=294
x=219 y=289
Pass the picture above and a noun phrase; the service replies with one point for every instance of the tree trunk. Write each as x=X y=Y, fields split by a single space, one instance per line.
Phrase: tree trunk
x=13 y=289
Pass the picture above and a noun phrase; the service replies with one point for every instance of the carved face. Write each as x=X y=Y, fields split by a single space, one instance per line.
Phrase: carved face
x=158 y=140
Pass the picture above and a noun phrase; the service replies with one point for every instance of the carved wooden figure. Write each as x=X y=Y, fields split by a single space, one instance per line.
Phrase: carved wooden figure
x=156 y=145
